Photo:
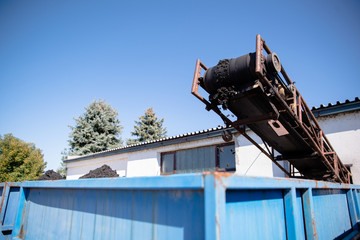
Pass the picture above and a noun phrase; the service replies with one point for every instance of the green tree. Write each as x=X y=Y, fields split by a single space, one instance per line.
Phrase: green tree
x=62 y=169
x=148 y=128
x=96 y=130
x=19 y=161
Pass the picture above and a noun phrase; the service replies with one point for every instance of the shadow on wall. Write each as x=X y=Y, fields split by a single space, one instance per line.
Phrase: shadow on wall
x=252 y=162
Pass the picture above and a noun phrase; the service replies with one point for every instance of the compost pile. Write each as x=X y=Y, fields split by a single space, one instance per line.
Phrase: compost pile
x=50 y=175
x=102 y=172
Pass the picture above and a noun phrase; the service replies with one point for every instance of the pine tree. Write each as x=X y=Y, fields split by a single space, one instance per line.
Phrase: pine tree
x=96 y=130
x=148 y=128
x=62 y=170
x=19 y=161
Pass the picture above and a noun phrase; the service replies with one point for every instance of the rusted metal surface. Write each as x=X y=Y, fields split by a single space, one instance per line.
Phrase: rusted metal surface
x=310 y=129
x=196 y=83
x=272 y=98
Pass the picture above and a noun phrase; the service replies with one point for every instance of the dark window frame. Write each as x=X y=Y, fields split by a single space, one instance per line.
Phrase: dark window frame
x=161 y=162
x=217 y=158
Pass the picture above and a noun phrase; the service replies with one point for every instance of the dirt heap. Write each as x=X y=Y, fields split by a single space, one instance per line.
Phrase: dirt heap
x=102 y=172
x=50 y=175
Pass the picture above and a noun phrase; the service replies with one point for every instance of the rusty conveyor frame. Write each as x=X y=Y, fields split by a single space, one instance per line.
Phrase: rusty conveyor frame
x=298 y=111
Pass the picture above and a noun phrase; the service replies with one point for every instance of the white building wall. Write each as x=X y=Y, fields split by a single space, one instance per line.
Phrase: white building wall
x=342 y=130
x=250 y=161
x=134 y=164
x=343 y=133
x=79 y=168
x=143 y=163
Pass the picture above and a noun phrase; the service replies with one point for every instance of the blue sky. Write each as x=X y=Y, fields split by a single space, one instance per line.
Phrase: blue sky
x=56 y=57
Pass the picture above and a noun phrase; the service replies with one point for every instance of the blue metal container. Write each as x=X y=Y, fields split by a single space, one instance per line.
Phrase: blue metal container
x=187 y=206
x=9 y=206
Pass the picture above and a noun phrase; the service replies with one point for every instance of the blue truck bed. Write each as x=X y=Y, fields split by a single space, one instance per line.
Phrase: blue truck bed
x=185 y=206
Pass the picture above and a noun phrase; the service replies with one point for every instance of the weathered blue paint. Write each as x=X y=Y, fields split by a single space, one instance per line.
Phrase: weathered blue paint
x=11 y=207
x=356 y=203
x=255 y=214
x=209 y=206
x=22 y=202
x=10 y=202
x=331 y=213
x=309 y=215
x=178 y=181
x=108 y=214
x=293 y=214
x=300 y=227
x=351 y=207
x=211 y=230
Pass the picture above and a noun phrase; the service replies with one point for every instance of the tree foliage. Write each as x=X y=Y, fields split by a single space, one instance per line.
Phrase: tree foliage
x=62 y=168
x=148 y=128
x=96 y=130
x=19 y=161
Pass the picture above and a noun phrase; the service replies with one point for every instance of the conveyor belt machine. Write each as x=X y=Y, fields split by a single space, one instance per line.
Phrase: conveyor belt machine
x=257 y=91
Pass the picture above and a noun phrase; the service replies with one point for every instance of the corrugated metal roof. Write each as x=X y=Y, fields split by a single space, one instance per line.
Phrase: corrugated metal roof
x=347 y=101
x=338 y=107
x=213 y=132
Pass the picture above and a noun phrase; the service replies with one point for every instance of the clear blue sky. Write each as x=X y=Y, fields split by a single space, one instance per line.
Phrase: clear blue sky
x=58 y=56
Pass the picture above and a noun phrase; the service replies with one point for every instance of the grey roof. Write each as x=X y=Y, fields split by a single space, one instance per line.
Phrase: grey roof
x=336 y=108
x=182 y=138
x=330 y=109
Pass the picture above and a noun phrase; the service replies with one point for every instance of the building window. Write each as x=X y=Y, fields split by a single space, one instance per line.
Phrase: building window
x=167 y=162
x=209 y=158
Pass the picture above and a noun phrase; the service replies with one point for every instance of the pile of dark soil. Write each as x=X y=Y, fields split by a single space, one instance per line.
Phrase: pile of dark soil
x=102 y=172
x=50 y=175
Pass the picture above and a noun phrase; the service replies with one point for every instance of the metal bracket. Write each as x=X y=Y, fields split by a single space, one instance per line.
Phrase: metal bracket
x=196 y=83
